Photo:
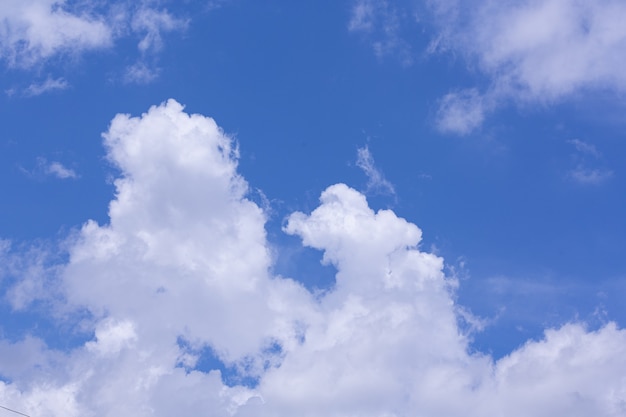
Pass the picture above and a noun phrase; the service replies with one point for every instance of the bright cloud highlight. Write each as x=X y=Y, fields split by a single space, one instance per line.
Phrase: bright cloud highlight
x=183 y=266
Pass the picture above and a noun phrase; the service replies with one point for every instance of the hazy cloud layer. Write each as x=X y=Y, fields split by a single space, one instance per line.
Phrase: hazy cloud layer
x=381 y=22
x=589 y=168
x=182 y=267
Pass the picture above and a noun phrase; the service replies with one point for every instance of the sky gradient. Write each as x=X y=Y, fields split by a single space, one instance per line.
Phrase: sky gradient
x=329 y=208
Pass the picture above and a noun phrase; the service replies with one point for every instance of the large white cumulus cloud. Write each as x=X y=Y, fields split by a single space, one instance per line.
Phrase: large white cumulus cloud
x=184 y=265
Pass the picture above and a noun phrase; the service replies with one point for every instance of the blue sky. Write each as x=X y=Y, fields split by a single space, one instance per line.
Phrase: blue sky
x=193 y=254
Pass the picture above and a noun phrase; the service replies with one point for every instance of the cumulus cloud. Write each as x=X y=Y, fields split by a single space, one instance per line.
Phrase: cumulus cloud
x=376 y=180
x=182 y=268
x=537 y=51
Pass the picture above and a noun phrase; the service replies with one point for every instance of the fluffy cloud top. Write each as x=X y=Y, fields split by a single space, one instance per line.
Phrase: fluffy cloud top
x=183 y=266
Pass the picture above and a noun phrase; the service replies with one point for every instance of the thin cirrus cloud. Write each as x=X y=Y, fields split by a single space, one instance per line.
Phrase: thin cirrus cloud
x=376 y=181
x=381 y=21
x=50 y=84
x=183 y=265
x=589 y=169
x=590 y=176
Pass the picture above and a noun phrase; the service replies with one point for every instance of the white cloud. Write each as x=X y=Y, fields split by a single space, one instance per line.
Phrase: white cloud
x=538 y=51
x=376 y=181
x=27 y=274
x=140 y=73
x=34 y=31
x=111 y=337
x=152 y=23
x=55 y=169
x=45 y=168
x=185 y=257
x=50 y=84
x=461 y=112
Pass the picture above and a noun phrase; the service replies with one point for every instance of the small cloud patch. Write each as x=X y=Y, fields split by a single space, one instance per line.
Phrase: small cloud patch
x=376 y=181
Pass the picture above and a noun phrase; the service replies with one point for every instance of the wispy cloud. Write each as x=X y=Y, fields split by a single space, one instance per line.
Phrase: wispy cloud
x=152 y=23
x=461 y=112
x=588 y=168
x=585 y=148
x=363 y=16
x=376 y=180
x=36 y=31
x=52 y=168
x=590 y=176
x=50 y=84
x=380 y=21
x=579 y=46
x=140 y=73
x=58 y=170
